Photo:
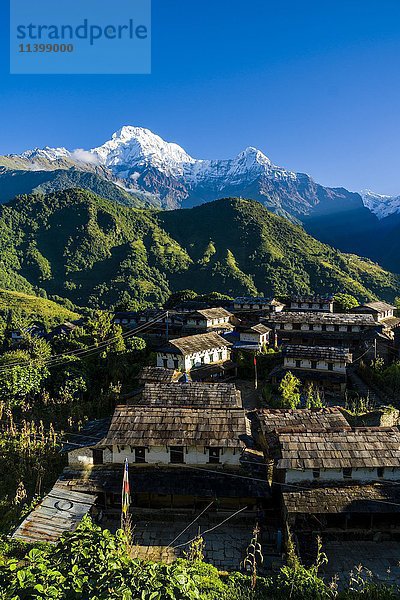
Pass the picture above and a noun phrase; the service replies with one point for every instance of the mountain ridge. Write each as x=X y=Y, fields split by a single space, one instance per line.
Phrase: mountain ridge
x=96 y=253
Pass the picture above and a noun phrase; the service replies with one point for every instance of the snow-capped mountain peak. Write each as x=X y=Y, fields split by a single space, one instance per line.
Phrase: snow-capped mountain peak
x=136 y=145
x=46 y=152
x=380 y=204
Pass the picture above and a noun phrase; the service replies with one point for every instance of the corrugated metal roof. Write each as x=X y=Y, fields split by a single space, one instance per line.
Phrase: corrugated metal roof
x=59 y=512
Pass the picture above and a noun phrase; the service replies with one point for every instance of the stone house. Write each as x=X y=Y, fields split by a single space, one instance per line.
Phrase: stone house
x=312 y=303
x=353 y=331
x=208 y=320
x=195 y=351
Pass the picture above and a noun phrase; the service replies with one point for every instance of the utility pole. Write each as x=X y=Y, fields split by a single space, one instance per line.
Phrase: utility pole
x=167 y=326
x=375 y=348
x=255 y=372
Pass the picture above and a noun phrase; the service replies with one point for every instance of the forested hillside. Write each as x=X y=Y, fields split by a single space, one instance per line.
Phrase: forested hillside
x=95 y=252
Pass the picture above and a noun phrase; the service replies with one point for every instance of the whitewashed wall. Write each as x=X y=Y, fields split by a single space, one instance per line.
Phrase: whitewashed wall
x=161 y=455
x=322 y=365
x=187 y=362
x=337 y=475
x=253 y=338
x=318 y=327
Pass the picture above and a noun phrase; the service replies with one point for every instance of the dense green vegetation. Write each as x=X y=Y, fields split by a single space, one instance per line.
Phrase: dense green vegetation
x=17 y=182
x=96 y=252
x=23 y=308
x=93 y=564
x=51 y=387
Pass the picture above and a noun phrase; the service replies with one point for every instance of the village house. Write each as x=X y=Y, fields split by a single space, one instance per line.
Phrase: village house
x=353 y=331
x=205 y=355
x=255 y=335
x=348 y=481
x=251 y=303
x=208 y=320
x=323 y=365
x=313 y=303
x=170 y=435
x=180 y=457
x=343 y=474
x=387 y=344
x=379 y=310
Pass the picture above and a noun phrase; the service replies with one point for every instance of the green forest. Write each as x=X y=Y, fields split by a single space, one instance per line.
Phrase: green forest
x=96 y=253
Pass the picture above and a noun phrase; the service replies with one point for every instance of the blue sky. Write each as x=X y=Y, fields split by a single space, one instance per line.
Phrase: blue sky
x=314 y=84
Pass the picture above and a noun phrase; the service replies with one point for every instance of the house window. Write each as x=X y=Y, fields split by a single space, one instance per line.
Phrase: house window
x=380 y=471
x=176 y=455
x=347 y=472
x=176 y=364
x=97 y=456
x=336 y=327
x=298 y=364
x=140 y=455
x=313 y=364
x=323 y=327
x=330 y=366
x=349 y=328
x=316 y=473
x=165 y=363
x=297 y=326
x=213 y=455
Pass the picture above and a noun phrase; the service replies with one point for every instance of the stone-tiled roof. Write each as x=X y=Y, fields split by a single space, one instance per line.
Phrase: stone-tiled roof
x=380 y=497
x=158 y=375
x=322 y=318
x=191 y=395
x=358 y=448
x=198 y=343
x=313 y=299
x=153 y=426
x=300 y=419
x=212 y=313
x=317 y=352
x=260 y=328
x=378 y=306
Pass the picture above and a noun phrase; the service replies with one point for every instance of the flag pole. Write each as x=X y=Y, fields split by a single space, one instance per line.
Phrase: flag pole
x=255 y=372
x=126 y=495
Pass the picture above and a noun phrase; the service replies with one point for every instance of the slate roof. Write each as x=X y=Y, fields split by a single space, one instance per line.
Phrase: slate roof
x=191 y=395
x=165 y=480
x=158 y=375
x=198 y=343
x=213 y=313
x=322 y=318
x=380 y=497
x=300 y=419
x=253 y=300
x=329 y=353
x=153 y=426
x=260 y=328
x=59 y=512
x=358 y=448
x=378 y=306
x=92 y=433
x=312 y=299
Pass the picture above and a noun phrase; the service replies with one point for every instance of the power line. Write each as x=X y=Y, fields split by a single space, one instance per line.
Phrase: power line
x=190 y=524
x=213 y=528
x=59 y=358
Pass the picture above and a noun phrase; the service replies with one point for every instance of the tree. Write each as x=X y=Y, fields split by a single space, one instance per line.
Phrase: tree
x=313 y=397
x=345 y=302
x=290 y=391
